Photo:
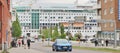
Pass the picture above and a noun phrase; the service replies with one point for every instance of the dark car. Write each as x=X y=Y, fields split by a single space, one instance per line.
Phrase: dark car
x=92 y=40
x=62 y=45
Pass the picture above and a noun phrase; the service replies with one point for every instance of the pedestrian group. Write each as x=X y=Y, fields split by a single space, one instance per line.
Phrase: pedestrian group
x=25 y=42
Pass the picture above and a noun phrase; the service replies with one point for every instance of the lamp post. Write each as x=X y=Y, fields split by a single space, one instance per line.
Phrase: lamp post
x=49 y=28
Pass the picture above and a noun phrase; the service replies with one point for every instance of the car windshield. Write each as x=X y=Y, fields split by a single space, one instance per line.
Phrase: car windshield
x=62 y=41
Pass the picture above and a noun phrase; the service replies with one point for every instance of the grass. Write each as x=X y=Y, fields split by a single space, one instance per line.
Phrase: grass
x=94 y=49
x=97 y=49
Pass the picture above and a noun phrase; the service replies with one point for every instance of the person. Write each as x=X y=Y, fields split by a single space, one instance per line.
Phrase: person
x=22 y=42
x=106 y=42
x=25 y=42
x=96 y=42
x=102 y=42
x=28 y=43
x=12 y=43
x=19 y=42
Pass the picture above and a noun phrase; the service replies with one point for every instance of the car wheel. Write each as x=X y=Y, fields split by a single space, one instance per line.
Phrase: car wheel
x=70 y=50
x=56 y=50
x=53 y=49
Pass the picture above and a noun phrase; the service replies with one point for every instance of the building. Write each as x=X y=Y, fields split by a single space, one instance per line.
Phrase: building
x=80 y=25
x=109 y=11
x=33 y=19
x=5 y=23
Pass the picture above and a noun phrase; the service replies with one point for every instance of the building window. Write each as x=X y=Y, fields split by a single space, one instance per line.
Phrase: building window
x=111 y=10
x=105 y=25
x=105 y=12
x=111 y=24
x=45 y=17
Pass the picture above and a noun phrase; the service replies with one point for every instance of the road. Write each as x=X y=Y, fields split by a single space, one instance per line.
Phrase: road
x=41 y=47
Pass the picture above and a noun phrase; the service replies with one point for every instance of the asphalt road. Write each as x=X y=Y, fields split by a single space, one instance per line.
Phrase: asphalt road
x=44 y=49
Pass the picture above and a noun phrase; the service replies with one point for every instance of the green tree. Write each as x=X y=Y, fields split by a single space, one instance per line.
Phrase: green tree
x=45 y=33
x=16 y=28
x=78 y=36
x=51 y=35
x=62 y=31
x=55 y=33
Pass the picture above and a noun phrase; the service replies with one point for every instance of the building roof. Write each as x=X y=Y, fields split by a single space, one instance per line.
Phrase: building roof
x=75 y=24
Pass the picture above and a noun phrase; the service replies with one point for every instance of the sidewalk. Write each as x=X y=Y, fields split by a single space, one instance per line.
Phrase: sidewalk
x=0 y=51
x=22 y=50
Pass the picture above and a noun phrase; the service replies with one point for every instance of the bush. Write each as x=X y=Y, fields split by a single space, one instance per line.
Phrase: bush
x=74 y=38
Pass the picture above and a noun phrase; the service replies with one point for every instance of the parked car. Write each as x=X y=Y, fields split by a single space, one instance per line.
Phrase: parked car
x=32 y=40
x=92 y=40
x=62 y=45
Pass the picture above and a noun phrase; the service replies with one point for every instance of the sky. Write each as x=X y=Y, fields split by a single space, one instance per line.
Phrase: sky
x=63 y=1
x=49 y=2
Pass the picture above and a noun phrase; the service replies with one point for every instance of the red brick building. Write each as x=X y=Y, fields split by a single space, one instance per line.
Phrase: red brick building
x=109 y=11
x=5 y=20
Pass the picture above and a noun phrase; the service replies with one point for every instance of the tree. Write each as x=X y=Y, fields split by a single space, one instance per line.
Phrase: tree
x=51 y=32
x=16 y=28
x=45 y=33
x=55 y=33
x=62 y=31
x=78 y=35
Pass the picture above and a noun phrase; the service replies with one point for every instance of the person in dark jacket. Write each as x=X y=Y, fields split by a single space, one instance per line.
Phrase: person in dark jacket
x=106 y=42
x=12 y=43
x=28 y=43
x=22 y=42
x=96 y=42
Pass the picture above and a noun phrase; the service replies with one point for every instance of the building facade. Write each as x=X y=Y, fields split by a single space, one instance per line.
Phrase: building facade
x=109 y=11
x=34 y=19
x=5 y=23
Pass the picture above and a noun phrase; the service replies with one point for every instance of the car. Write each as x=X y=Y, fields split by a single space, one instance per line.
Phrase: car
x=32 y=40
x=62 y=45
x=92 y=40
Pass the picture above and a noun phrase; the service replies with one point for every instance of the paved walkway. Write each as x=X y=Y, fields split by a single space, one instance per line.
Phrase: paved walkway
x=0 y=51
x=22 y=50
x=74 y=43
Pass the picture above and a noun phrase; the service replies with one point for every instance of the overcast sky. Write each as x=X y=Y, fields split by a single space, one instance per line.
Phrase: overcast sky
x=63 y=1
x=49 y=2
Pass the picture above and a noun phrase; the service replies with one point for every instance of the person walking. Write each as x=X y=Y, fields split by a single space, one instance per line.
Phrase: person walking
x=25 y=43
x=28 y=43
x=22 y=42
x=96 y=42
x=106 y=42
x=19 y=42
x=102 y=42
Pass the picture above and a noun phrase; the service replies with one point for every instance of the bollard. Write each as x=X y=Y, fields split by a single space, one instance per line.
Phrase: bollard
x=5 y=48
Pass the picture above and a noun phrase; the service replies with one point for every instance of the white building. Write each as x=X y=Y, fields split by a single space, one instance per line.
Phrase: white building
x=34 y=17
